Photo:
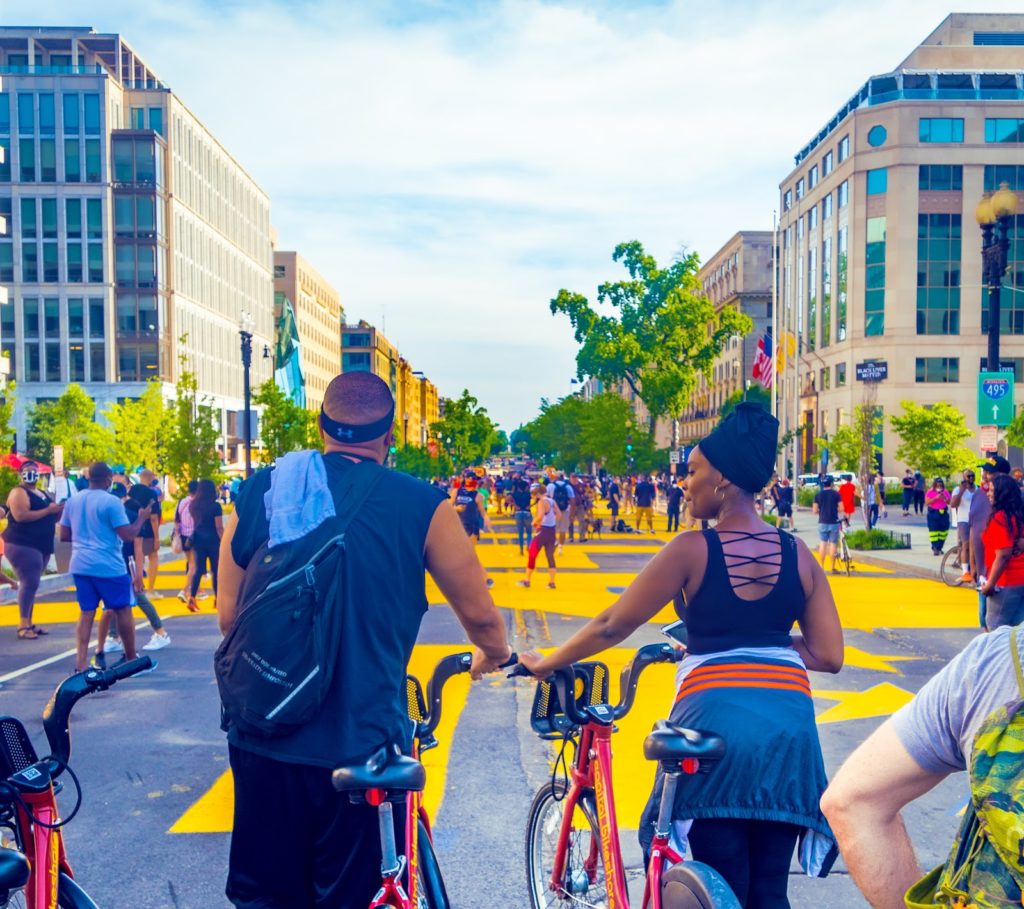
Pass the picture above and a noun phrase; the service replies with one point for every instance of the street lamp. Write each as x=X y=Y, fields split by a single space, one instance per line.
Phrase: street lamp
x=245 y=327
x=994 y=214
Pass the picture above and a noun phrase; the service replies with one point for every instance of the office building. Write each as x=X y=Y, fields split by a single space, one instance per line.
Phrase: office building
x=136 y=239
x=317 y=317
x=880 y=253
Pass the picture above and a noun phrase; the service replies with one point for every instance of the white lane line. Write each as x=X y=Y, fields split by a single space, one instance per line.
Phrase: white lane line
x=51 y=660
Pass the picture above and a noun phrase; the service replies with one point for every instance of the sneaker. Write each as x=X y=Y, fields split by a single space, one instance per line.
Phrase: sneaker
x=966 y=578
x=182 y=596
x=523 y=583
x=490 y=583
x=551 y=586
x=99 y=660
x=192 y=605
x=158 y=642
x=559 y=548
x=113 y=645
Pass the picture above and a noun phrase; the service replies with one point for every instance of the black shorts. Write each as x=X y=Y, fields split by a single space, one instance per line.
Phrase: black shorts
x=785 y=511
x=325 y=851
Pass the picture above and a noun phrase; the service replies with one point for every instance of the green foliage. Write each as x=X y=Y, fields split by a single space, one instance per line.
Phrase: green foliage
x=770 y=519
x=756 y=394
x=191 y=431
x=284 y=425
x=70 y=422
x=138 y=429
x=805 y=495
x=465 y=431
x=418 y=463
x=867 y=424
x=663 y=335
x=931 y=438
x=873 y=539
x=843 y=449
x=9 y=478
x=501 y=443
x=7 y=434
x=1015 y=431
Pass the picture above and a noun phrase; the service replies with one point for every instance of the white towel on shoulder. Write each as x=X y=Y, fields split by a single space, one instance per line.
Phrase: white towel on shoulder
x=299 y=499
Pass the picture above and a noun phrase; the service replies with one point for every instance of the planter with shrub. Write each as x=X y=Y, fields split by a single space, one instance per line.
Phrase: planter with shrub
x=865 y=540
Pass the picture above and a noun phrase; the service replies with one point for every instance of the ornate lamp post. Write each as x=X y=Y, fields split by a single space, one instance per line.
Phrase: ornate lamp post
x=245 y=327
x=994 y=214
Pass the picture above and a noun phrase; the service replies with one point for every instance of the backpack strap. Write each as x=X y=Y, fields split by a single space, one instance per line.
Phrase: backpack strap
x=358 y=483
x=1018 y=670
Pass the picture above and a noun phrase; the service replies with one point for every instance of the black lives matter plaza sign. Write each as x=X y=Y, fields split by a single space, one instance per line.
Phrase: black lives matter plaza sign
x=872 y=371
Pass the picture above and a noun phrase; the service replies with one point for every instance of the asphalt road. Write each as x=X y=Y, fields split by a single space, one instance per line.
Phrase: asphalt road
x=152 y=830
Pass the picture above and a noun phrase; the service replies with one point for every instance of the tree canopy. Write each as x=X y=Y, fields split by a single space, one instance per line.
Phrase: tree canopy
x=284 y=425
x=663 y=332
x=465 y=431
x=69 y=422
x=191 y=432
x=931 y=438
x=138 y=430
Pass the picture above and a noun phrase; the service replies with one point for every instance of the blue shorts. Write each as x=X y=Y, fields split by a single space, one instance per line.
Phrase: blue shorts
x=828 y=533
x=114 y=593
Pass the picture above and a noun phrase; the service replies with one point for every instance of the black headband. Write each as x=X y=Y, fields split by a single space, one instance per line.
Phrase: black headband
x=357 y=432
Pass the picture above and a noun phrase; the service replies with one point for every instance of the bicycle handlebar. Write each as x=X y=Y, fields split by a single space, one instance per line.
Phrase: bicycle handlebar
x=450 y=666
x=57 y=713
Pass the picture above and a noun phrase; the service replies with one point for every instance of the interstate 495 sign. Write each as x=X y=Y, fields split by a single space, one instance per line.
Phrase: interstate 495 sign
x=995 y=398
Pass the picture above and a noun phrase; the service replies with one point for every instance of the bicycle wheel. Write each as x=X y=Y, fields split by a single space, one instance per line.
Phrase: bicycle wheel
x=950 y=568
x=694 y=885
x=846 y=557
x=430 y=892
x=69 y=896
x=582 y=883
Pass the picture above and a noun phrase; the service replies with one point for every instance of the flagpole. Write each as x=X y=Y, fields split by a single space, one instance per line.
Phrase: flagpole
x=775 y=312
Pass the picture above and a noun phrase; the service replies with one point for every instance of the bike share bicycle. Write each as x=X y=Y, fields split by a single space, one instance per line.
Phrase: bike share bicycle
x=35 y=873
x=573 y=855
x=411 y=880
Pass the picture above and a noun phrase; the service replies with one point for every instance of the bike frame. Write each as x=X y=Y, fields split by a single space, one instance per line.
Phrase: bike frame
x=592 y=770
x=44 y=848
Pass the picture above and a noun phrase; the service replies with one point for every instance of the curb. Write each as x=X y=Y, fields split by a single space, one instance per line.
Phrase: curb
x=898 y=567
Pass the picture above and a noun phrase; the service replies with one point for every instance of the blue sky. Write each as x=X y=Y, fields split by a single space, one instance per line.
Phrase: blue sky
x=450 y=165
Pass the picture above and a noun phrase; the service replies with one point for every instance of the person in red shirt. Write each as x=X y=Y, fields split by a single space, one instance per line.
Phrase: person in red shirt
x=1004 y=581
x=847 y=496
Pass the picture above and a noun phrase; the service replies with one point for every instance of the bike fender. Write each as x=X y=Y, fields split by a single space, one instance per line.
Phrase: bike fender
x=71 y=896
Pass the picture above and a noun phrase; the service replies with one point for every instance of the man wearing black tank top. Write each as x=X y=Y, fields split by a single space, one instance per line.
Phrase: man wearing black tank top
x=826 y=507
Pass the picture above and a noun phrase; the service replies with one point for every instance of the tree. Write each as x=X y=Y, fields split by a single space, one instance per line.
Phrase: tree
x=844 y=448
x=138 y=428
x=69 y=422
x=284 y=425
x=554 y=436
x=191 y=431
x=931 y=437
x=7 y=433
x=465 y=430
x=419 y=463
x=500 y=445
x=1015 y=431
x=756 y=394
x=663 y=335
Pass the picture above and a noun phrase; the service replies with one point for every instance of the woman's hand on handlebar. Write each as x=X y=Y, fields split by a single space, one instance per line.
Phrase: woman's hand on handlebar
x=534 y=664
x=483 y=664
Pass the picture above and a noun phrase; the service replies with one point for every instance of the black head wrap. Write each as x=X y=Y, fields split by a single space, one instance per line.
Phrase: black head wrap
x=744 y=446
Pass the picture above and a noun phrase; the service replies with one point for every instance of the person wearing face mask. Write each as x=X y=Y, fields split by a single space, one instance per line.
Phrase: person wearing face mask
x=28 y=542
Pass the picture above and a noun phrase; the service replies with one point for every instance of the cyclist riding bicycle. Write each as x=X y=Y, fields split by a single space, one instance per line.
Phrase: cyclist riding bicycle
x=744 y=675
x=325 y=851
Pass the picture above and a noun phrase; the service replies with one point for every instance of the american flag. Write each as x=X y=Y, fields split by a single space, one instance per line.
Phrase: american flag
x=762 y=370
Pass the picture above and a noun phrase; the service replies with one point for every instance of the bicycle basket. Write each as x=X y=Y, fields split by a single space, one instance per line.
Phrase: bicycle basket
x=548 y=719
x=16 y=751
x=415 y=704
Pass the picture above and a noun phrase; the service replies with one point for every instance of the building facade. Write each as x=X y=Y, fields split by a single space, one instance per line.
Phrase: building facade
x=136 y=243
x=738 y=275
x=318 y=318
x=880 y=253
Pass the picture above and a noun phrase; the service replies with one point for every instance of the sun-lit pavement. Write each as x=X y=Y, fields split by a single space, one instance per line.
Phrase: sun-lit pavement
x=152 y=759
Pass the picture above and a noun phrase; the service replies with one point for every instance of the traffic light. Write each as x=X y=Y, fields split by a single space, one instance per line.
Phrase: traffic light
x=629 y=443
x=393 y=449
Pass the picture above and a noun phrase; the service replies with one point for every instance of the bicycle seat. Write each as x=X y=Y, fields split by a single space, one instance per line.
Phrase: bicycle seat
x=13 y=869
x=674 y=743
x=387 y=769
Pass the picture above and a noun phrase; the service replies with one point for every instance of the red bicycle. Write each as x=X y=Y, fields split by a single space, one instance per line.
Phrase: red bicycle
x=35 y=873
x=413 y=879
x=573 y=856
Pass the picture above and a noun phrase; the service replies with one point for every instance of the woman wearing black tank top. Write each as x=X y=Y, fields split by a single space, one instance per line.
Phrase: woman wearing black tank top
x=740 y=588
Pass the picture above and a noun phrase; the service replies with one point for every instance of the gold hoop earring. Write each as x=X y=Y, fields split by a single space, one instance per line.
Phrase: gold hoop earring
x=718 y=492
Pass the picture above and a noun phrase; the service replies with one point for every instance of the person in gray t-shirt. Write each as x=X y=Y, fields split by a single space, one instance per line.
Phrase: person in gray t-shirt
x=909 y=754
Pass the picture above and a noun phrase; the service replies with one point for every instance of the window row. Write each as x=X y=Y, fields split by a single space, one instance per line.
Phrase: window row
x=37 y=114
x=937 y=369
x=43 y=318
x=46 y=160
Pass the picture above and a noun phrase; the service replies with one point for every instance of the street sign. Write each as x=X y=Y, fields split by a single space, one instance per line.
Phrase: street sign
x=995 y=398
x=988 y=438
x=872 y=371
x=673 y=456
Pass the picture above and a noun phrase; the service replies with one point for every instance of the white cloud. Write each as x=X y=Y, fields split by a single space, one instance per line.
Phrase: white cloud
x=457 y=163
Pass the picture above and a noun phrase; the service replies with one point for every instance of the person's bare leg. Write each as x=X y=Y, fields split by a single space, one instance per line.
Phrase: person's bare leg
x=83 y=631
x=126 y=628
x=190 y=569
x=102 y=630
x=832 y=553
x=152 y=567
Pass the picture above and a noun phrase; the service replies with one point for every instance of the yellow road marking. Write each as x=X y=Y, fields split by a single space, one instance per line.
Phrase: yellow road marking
x=861 y=659
x=879 y=700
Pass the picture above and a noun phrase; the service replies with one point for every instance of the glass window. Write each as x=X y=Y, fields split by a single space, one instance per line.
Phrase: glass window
x=26 y=114
x=52 y=362
x=137 y=119
x=145 y=215
x=48 y=160
x=97 y=363
x=94 y=218
x=96 y=327
x=92 y=114
x=937 y=369
x=5 y=160
x=76 y=317
x=145 y=162
x=997 y=129
x=826 y=164
x=940 y=177
x=29 y=226
x=840 y=374
x=27 y=159
x=124 y=259
x=941 y=129
x=73 y=217
x=127 y=315
x=124 y=222
x=7 y=320
x=76 y=362
x=75 y=271
x=72 y=116
x=95 y=263
x=30 y=317
x=826 y=207
x=32 y=362
x=149 y=362
x=92 y=161
x=357 y=339
x=51 y=317
x=127 y=362
x=874 y=277
x=355 y=362
x=47 y=117
x=878 y=181
x=812 y=177
x=6 y=264
x=787 y=200
x=877 y=136
x=812 y=218
x=50 y=273
x=844 y=149
x=49 y=207
x=5 y=113
x=147 y=266
x=72 y=161
x=147 y=312
x=800 y=188
x=121 y=153
x=156 y=119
